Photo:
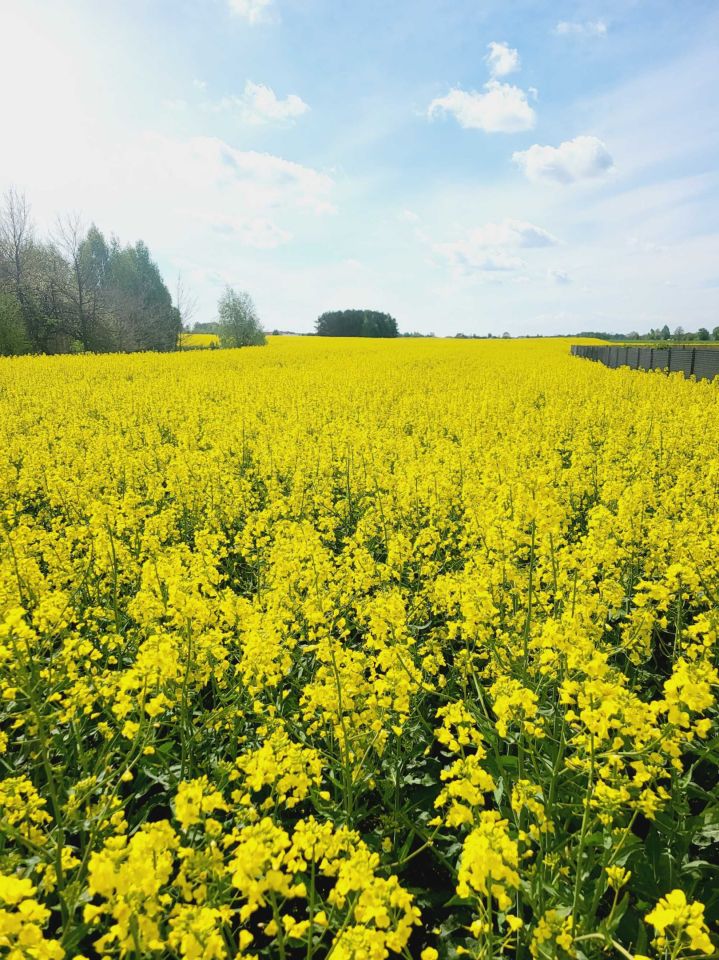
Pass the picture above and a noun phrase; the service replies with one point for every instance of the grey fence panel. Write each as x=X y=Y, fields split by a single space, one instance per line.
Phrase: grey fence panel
x=706 y=364
x=660 y=360
x=702 y=362
x=680 y=361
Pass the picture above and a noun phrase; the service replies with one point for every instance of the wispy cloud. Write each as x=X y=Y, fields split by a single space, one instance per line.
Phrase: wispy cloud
x=254 y=11
x=579 y=28
x=492 y=247
x=512 y=233
x=259 y=104
x=559 y=277
x=258 y=232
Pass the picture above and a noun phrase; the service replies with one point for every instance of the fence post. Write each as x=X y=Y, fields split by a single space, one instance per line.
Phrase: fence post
x=691 y=369
x=651 y=359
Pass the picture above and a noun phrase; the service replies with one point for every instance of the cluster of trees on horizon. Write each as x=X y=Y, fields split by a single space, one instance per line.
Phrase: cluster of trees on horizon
x=356 y=323
x=663 y=334
x=75 y=291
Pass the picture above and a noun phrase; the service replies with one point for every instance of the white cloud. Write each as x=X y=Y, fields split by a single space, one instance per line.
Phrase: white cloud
x=559 y=277
x=578 y=159
x=205 y=181
x=409 y=216
x=254 y=11
x=502 y=59
x=259 y=105
x=466 y=258
x=258 y=232
x=512 y=233
x=576 y=28
x=641 y=245
x=491 y=247
x=503 y=108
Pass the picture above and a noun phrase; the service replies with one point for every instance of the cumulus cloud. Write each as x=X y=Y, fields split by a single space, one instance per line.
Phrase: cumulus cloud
x=502 y=108
x=259 y=105
x=492 y=247
x=578 y=159
x=254 y=11
x=501 y=59
x=577 y=28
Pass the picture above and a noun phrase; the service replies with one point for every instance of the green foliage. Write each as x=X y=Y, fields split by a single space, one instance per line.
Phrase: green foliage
x=238 y=322
x=78 y=293
x=13 y=339
x=142 y=305
x=356 y=323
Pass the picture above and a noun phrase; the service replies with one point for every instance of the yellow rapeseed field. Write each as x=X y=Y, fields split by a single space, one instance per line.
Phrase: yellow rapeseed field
x=194 y=341
x=357 y=649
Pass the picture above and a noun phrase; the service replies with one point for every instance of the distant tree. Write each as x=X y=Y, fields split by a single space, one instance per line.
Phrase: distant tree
x=702 y=333
x=506 y=336
x=94 y=264
x=239 y=324
x=17 y=248
x=715 y=333
x=13 y=339
x=356 y=323
x=77 y=282
x=185 y=302
x=79 y=292
x=206 y=327
x=142 y=309
x=678 y=334
x=665 y=333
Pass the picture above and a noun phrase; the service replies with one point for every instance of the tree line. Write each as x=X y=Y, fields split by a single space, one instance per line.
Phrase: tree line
x=662 y=334
x=356 y=323
x=77 y=291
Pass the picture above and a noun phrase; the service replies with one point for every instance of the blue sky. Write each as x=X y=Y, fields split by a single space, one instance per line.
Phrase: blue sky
x=471 y=167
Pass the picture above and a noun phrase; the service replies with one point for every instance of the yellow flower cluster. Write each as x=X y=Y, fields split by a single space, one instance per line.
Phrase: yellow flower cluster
x=22 y=920
x=357 y=650
x=680 y=925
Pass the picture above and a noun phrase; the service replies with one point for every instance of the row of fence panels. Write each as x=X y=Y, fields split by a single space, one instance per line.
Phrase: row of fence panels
x=700 y=362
